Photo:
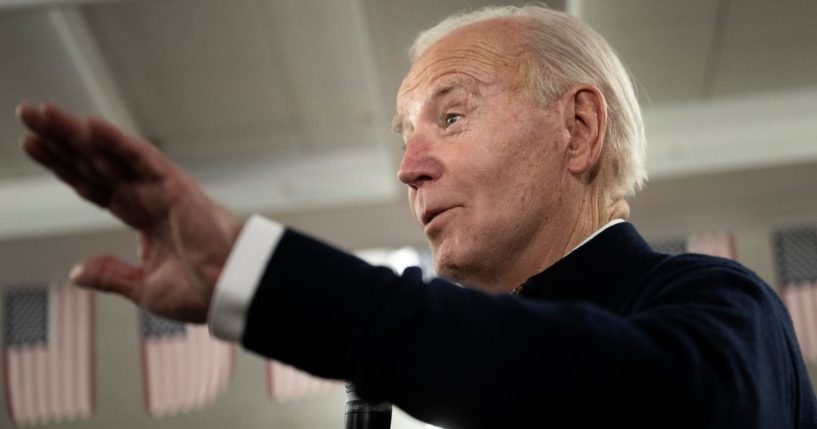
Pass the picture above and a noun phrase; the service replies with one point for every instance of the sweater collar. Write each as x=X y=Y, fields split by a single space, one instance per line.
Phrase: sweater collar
x=600 y=271
x=598 y=231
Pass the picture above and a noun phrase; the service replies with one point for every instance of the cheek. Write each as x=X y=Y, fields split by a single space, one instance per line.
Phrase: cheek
x=518 y=187
x=511 y=177
x=411 y=194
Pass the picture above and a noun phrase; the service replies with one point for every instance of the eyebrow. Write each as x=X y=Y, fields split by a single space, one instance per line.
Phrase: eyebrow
x=442 y=90
x=397 y=124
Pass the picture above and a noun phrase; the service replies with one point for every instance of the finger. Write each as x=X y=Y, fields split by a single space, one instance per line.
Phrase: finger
x=42 y=153
x=29 y=115
x=52 y=123
x=67 y=172
x=38 y=122
x=132 y=155
x=60 y=124
x=108 y=274
x=108 y=152
x=94 y=193
x=35 y=148
x=108 y=165
x=67 y=137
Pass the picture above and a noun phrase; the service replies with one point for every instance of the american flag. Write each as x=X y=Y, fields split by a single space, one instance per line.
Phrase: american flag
x=287 y=384
x=715 y=243
x=673 y=246
x=48 y=353
x=795 y=251
x=184 y=368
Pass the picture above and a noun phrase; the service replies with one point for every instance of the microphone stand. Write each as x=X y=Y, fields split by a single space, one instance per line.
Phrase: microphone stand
x=365 y=415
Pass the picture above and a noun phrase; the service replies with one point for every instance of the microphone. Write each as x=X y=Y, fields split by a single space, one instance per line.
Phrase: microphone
x=365 y=415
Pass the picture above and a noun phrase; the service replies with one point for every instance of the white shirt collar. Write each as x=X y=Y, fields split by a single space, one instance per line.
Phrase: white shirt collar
x=598 y=231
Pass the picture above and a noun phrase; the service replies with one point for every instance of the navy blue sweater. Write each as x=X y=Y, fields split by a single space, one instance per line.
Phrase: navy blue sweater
x=613 y=335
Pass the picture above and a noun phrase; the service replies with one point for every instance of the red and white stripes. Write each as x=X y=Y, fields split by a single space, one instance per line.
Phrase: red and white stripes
x=717 y=243
x=801 y=301
x=54 y=382
x=287 y=384
x=184 y=372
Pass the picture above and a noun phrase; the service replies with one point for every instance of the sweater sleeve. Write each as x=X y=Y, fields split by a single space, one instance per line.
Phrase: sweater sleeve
x=462 y=358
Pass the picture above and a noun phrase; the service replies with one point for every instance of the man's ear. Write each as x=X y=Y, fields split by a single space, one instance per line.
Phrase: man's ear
x=586 y=121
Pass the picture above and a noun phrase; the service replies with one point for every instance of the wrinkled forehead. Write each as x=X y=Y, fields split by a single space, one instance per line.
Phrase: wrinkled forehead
x=484 y=53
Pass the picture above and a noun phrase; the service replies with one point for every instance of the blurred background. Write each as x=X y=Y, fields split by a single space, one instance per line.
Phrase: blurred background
x=283 y=107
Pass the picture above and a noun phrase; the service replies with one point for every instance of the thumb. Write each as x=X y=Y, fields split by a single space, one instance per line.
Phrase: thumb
x=108 y=274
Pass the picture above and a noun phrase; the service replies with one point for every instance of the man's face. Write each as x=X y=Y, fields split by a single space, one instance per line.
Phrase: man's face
x=485 y=166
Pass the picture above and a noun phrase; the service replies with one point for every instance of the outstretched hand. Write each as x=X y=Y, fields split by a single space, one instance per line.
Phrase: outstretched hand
x=184 y=236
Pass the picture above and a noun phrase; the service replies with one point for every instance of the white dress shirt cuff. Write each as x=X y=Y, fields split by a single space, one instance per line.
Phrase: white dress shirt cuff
x=241 y=276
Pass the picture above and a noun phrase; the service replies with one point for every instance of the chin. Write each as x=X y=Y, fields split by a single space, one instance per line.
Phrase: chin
x=449 y=266
x=444 y=264
x=459 y=261
x=467 y=270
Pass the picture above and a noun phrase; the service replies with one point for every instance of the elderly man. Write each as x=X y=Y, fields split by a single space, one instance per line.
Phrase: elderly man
x=523 y=138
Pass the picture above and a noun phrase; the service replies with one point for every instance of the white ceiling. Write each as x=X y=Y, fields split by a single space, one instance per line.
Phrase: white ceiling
x=284 y=105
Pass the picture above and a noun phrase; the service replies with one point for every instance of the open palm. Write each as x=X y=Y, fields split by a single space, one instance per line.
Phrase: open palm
x=184 y=236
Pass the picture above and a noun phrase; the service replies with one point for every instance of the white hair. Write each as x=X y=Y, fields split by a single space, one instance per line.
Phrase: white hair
x=565 y=52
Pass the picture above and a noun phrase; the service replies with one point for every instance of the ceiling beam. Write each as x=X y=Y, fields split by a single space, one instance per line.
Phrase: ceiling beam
x=749 y=131
x=91 y=67
x=41 y=205
x=575 y=7
x=374 y=80
x=21 y=4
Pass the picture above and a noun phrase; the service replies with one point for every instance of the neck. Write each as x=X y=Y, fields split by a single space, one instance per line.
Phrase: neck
x=589 y=214
x=596 y=211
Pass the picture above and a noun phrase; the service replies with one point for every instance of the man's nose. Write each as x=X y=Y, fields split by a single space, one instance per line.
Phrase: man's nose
x=419 y=165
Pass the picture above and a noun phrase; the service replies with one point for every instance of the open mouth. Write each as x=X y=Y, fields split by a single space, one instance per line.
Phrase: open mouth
x=429 y=215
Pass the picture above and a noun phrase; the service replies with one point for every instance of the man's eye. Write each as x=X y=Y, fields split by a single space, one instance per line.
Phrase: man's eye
x=452 y=118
